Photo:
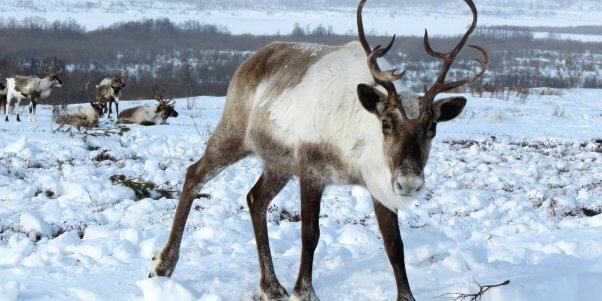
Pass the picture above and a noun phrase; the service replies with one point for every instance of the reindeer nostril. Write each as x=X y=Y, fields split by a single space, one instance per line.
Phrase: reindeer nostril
x=399 y=186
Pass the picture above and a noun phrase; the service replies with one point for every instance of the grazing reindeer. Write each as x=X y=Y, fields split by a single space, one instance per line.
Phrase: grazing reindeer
x=322 y=114
x=31 y=87
x=150 y=115
x=109 y=91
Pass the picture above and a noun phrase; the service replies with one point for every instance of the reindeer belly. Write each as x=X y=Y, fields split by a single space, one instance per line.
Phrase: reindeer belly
x=321 y=159
x=20 y=94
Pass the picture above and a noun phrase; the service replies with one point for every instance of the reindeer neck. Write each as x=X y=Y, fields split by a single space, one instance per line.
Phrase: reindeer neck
x=45 y=84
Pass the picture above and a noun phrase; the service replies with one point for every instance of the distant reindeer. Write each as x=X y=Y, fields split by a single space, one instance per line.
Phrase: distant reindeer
x=109 y=91
x=3 y=92
x=329 y=116
x=31 y=87
x=92 y=113
x=150 y=115
x=79 y=115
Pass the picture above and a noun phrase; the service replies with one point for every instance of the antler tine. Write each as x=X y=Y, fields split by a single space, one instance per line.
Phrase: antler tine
x=482 y=63
x=90 y=99
x=40 y=63
x=449 y=57
x=159 y=95
x=383 y=78
x=116 y=74
x=377 y=52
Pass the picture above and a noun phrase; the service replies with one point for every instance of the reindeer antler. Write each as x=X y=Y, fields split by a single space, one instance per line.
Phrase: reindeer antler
x=50 y=71
x=90 y=99
x=160 y=95
x=383 y=78
x=448 y=58
x=117 y=74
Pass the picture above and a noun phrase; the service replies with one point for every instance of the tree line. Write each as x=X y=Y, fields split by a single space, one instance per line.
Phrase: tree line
x=199 y=59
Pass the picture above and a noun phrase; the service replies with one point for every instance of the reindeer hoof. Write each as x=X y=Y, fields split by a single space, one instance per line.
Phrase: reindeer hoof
x=163 y=265
x=273 y=291
x=304 y=294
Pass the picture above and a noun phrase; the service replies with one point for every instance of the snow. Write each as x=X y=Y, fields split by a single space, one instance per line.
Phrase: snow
x=507 y=184
x=407 y=18
x=565 y=36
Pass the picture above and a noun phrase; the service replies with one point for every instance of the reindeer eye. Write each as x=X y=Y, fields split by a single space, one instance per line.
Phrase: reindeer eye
x=432 y=131
x=386 y=124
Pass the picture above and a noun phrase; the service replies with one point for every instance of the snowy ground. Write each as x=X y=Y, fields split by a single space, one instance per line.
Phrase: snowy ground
x=511 y=186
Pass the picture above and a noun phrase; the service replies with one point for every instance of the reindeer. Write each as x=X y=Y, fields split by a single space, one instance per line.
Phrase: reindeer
x=109 y=91
x=92 y=113
x=31 y=87
x=79 y=115
x=3 y=92
x=326 y=116
x=150 y=115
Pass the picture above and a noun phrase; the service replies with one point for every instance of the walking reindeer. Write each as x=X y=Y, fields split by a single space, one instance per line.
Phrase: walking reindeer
x=329 y=116
x=31 y=87
x=109 y=91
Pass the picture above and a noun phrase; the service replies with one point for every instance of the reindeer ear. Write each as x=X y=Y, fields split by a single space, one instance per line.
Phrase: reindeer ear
x=372 y=100
x=448 y=108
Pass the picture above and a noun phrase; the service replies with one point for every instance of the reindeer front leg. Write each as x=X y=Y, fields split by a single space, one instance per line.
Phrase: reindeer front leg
x=389 y=229
x=6 y=106
x=311 y=195
x=116 y=106
x=32 y=110
x=110 y=108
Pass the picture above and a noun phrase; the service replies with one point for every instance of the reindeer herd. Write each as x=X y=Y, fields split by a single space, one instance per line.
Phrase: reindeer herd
x=108 y=92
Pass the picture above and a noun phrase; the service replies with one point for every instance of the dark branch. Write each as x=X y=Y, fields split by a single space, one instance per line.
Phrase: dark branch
x=475 y=296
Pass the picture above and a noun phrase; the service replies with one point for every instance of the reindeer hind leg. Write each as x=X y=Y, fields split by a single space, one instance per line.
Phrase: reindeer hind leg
x=18 y=108
x=225 y=147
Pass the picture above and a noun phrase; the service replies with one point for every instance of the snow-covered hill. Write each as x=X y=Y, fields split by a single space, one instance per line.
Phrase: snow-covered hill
x=511 y=188
x=271 y=17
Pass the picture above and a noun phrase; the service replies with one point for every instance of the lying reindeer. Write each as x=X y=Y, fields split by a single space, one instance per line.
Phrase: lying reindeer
x=150 y=115
x=82 y=115
x=109 y=91
x=31 y=87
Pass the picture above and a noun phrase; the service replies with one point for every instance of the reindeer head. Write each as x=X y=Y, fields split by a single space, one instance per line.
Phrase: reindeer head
x=99 y=107
x=117 y=82
x=52 y=76
x=407 y=142
x=165 y=108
